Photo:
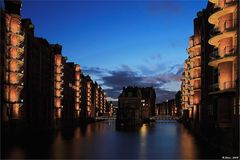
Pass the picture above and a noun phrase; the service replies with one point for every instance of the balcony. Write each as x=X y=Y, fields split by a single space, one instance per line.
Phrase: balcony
x=222 y=87
x=226 y=26
x=194 y=53
x=215 y=40
x=15 y=53
x=15 y=39
x=58 y=60
x=13 y=78
x=58 y=69
x=77 y=106
x=229 y=7
x=58 y=93
x=77 y=68
x=196 y=56
x=223 y=3
x=58 y=78
x=77 y=100
x=194 y=43
x=195 y=66
x=59 y=74
x=58 y=85
x=12 y=93
x=196 y=87
x=196 y=77
x=77 y=76
x=229 y=55
x=14 y=65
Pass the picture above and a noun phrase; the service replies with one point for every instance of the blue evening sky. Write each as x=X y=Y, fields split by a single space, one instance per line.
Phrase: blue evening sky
x=146 y=37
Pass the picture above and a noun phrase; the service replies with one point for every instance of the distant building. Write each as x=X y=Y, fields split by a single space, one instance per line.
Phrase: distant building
x=93 y=99
x=135 y=105
x=178 y=99
x=104 y=102
x=115 y=108
x=167 y=107
x=100 y=100
x=162 y=108
x=171 y=105
x=148 y=102
x=109 y=110
x=129 y=108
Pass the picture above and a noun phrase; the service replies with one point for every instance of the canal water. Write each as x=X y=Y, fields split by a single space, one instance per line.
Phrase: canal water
x=160 y=140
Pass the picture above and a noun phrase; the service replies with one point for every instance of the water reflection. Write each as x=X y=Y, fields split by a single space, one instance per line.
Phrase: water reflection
x=101 y=140
x=17 y=153
x=187 y=145
x=143 y=140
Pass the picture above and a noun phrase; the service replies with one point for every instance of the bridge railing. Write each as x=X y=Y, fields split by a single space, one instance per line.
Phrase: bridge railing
x=165 y=118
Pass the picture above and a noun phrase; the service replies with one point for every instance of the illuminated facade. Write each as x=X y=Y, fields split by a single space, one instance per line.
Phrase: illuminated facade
x=96 y=99
x=224 y=59
x=148 y=102
x=37 y=85
x=93 y=99
x=100 y=97
x=210 y=81
x=197 y=75
x=77 y=89
x=136 y=105
x=104 y=102
x=110 y=109
x=187 y=95
x=12 y=60
x=224 y=90
x=195 y=67
x=167 y=108
x=58 y=81
x=89 y=98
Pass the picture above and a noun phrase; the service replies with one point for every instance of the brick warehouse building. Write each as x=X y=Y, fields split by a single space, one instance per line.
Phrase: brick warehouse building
x=210 y=82
x=38 y=85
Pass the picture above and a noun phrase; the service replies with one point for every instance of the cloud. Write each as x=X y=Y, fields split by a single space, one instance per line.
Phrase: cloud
x=126 y=67
x=166 y=83
x=94 y=70
x=163 y=95
x=152 y=65
x=113 y=93
x=117 y=79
